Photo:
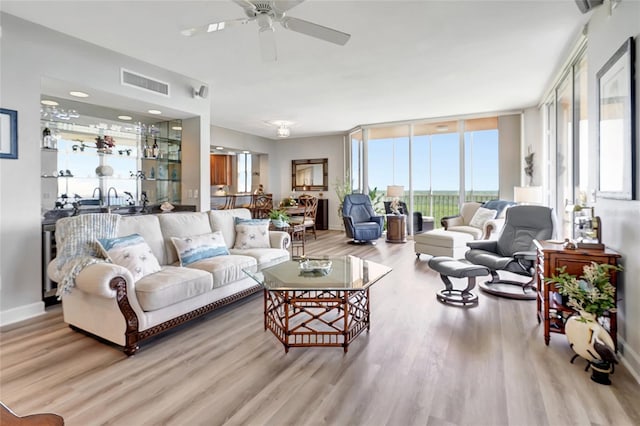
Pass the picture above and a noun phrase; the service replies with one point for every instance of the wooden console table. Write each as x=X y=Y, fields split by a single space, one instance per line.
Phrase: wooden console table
x=550 y=257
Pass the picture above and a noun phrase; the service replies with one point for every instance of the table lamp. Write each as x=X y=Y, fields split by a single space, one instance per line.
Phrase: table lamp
x=395 y=191
x=527 y=194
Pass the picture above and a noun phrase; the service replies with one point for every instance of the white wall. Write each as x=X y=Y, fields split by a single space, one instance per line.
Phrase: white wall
x=330 y=147
x=532 y=140
x=509 y=128
x=28 y=54
x=620 y=229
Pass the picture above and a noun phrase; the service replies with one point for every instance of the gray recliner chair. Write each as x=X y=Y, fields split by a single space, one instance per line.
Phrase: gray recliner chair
x=514 y=250
x=360 y=220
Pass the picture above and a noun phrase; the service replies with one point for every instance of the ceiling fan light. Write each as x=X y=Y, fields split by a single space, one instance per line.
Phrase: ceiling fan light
x=283 y=132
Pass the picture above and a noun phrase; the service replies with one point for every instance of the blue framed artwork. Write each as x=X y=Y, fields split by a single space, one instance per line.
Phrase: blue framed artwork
x=8 y=133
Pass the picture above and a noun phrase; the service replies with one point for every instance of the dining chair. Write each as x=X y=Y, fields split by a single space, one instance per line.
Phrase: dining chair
x=308 y=219
x=262 y=205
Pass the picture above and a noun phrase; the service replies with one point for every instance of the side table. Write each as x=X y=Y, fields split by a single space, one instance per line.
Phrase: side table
x=396 y=228
x=550 y=257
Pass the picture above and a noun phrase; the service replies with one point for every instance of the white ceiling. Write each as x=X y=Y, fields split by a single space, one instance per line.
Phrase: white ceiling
x=405 y=60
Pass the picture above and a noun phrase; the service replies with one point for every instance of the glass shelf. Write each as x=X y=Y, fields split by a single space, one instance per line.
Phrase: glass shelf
x=126 y=158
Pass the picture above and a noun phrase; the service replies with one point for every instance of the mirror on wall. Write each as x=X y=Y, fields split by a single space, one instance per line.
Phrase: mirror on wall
x=310 y=175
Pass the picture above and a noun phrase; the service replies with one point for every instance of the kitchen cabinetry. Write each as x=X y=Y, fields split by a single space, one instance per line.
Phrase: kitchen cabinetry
x=221 y=169
x=551 y=256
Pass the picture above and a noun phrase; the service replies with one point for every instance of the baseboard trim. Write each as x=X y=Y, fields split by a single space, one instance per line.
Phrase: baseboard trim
x=21 y=313
x=629 y=358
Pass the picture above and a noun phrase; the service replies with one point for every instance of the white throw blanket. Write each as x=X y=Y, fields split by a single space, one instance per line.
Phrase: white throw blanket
x=77 y=244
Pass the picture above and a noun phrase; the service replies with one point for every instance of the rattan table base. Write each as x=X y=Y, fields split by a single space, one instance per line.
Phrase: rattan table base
x=304 y=318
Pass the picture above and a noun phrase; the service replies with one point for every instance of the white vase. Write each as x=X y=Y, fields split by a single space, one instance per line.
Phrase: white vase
x=591 y=341
x=104 y=170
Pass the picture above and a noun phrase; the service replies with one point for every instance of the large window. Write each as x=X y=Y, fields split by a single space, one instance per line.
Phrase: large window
x=438 y=164
x=436 y=169
x=244 y=172
x=567 y=125
x=388 y=157
x=481 y=159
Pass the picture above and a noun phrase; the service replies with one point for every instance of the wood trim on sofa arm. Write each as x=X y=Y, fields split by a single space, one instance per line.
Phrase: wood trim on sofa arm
x=133 y=336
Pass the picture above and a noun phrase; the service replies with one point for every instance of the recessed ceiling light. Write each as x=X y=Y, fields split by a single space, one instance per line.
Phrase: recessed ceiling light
x=176 y=128
x=220 y=147
x=125 y=117
x=79 y=94
x=246 y=152
x=155 y=112
x=442 y=128
x=48 y=102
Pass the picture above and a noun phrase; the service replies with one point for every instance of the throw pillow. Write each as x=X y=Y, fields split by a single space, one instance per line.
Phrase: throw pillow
x=131 y=252
x=198 y=247
x=252 y=233
x=481 y=216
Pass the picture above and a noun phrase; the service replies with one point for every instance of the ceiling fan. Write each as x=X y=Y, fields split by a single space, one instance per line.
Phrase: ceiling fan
x=266 y=13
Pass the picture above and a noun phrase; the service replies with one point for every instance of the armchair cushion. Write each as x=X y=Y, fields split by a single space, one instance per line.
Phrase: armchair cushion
x=481 y=216
x=467 y=210
x=476 y=233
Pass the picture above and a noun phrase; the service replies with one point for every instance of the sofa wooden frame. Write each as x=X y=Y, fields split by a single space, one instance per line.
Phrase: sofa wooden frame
x=133 y=336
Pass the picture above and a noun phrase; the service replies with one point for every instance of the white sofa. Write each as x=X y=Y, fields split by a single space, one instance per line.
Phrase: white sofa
x=107 y=303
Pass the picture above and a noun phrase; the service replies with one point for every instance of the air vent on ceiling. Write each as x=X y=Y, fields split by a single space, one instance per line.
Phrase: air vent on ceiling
x=140 y=81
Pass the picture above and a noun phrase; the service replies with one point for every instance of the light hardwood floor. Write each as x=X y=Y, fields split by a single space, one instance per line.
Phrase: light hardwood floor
x=423 y=363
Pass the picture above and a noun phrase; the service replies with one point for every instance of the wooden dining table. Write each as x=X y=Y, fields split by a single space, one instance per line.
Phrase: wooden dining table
x=293 y=211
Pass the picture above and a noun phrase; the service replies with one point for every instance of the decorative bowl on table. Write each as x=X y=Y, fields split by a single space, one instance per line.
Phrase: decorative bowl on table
x=323 y=266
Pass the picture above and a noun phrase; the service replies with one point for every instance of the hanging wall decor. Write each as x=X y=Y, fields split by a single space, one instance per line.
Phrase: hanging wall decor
x=8 y=133
x=616 y=126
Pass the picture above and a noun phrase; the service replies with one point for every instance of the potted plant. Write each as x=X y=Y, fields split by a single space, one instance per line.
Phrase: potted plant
x=592 y=295
x=279 y=218
x=342 y=187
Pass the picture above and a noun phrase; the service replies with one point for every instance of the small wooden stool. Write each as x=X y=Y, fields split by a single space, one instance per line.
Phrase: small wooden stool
x=450 y=267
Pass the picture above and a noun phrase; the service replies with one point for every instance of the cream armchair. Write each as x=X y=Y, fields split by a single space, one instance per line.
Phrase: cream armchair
x=471 y=219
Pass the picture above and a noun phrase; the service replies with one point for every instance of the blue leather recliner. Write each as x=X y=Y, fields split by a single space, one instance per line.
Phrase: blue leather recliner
x=360 y=221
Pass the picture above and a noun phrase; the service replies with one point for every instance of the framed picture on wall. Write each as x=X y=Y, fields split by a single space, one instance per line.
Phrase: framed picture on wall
x=616 y=126
x=8 y=133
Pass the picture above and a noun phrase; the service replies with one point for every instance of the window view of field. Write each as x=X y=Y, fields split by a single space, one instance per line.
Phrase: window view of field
x=428 y=164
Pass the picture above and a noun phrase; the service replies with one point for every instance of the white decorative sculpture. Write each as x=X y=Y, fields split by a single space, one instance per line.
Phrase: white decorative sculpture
x=591 y=341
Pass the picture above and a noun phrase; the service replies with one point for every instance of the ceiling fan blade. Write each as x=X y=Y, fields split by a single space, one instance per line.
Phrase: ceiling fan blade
x=245 y=4
x=281 y=6
x=213 y=27
x=268 y=45
x=315 y=30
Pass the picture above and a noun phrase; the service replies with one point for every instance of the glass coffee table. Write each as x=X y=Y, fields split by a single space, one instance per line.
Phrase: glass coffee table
x=318 y=302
